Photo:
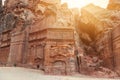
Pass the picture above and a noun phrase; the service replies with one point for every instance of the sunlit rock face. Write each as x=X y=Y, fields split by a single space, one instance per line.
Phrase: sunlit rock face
x=98 y=19
x=114 y=5
x=104 y=23
x=87 y=13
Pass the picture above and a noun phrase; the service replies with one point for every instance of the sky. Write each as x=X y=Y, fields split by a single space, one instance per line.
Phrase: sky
x=82 y=3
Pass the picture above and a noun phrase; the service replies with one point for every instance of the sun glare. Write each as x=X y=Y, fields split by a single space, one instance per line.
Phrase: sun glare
x=82 y=3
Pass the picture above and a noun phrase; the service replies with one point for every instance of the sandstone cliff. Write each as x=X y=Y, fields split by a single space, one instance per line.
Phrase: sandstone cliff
x=47 y=35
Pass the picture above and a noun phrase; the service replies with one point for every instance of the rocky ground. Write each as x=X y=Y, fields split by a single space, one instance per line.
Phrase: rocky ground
x=11 y=73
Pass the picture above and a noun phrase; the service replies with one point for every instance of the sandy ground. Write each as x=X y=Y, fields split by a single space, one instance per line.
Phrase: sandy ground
x=11 y=73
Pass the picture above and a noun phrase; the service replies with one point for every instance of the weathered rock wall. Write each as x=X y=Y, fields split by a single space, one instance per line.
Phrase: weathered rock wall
x=41 y=35
x=105 y=40
x=45 y=34
x=116 y=48
x=4 y=46
x=104 y=48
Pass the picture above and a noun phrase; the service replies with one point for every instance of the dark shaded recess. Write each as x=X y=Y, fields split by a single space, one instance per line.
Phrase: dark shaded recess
x=7 y=22
x=38 y=66
x=0 y=3
x=10 y=21
x=15 y=65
